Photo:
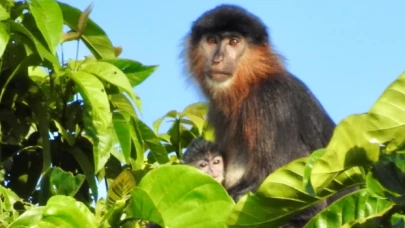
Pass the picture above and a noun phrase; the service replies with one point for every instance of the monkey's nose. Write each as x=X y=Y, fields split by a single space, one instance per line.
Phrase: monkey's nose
x=219 y=57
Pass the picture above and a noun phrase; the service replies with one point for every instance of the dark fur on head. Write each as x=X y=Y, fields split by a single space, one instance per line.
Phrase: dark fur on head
x=199 y=147
x=230 y=18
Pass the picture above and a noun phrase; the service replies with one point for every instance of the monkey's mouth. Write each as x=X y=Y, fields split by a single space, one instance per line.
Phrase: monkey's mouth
x=218 y=178
x=219 y=76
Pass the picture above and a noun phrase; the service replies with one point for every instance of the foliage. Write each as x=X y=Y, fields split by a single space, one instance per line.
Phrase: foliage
x=68 y=125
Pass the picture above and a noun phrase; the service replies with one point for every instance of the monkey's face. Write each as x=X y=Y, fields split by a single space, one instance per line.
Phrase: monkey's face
x=222 y=54
x=213 y=166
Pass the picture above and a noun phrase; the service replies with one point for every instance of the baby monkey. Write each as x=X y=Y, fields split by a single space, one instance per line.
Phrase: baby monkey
x=205 y=156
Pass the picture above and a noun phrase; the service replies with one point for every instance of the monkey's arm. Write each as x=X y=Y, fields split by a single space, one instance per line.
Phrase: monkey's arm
x=297 y=115
x=287 y=123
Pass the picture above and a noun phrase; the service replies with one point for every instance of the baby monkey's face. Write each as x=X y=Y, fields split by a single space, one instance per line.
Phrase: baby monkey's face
x=213 y=165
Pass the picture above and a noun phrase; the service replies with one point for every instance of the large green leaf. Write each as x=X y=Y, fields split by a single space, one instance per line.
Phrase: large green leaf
x=60 y=211
x=387 y=116
x=49 y=20
x=113 y=75
x=93 y=36
x=4 y=36
x=356 y=206
x=135 y=71
x=282 y=194
x=166 y=196
x=348 y=148
x=99 y=116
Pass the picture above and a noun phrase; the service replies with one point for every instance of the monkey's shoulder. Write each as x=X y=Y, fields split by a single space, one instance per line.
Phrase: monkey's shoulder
x=282 y=86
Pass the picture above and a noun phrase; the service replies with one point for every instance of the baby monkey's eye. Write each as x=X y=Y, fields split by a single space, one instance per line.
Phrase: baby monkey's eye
x=217 y=161
x=203 y=164
x=211 y=40
x=234 y=41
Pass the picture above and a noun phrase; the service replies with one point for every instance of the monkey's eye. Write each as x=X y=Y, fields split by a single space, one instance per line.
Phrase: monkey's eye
x=202 y=164
x=211 y=40
x=234 y=41
x=217 y=161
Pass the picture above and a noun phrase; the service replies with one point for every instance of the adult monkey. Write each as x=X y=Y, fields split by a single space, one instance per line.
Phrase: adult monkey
x=264 y=117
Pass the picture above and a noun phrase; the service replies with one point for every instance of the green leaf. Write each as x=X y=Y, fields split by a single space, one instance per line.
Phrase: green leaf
x=387 y=116
x=388 y=181
x=65 y=183
x=84 y=18
x=398 y=220
x=280 y=195
x=87 y=168
x=351 y=208
x=123 y=104
x=136 y=137
x=115 y=213
x=308 y=170
x=209 y=132
x=4 y=15
x=156 y=124
x=199 y=109
x=30 y=218
x=348 y=148
x=4 y=36
x=39 y=106
x=197 y=121
x=103 y=144
x=167 y=197
x=93 y=36
x=122 y=130
x=113 y=75
x=49 y=20
x=8 y=198
x=70 y=139
x=153 y=142
x=58 y=182
x=97 y=117
x=60 y=211
x=32 y=41
x=135 y=71
x=98 y=112
x=121 y=188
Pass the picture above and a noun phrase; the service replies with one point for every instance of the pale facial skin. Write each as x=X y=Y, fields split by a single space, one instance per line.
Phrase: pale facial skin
x=211 y=165
x=223 y=52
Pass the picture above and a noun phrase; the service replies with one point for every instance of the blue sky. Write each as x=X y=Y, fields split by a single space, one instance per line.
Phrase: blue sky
x=346 y=51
